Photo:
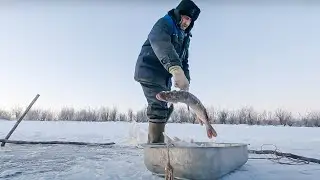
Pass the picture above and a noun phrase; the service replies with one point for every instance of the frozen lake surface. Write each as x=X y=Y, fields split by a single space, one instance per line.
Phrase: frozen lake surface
x=125 y=161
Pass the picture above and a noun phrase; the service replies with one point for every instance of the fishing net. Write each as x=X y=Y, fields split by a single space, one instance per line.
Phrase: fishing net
x=276 y=156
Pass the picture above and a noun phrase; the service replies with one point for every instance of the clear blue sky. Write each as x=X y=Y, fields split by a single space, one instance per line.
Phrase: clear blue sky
x=83 y=54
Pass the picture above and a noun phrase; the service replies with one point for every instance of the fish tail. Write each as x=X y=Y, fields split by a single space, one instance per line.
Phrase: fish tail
x=211 y=132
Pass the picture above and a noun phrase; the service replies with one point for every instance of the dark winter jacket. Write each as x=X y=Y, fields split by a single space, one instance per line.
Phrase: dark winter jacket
x=167 y=45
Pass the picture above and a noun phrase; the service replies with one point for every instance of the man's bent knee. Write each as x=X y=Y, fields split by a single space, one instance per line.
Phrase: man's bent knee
x=159 y=114
x=157 y=111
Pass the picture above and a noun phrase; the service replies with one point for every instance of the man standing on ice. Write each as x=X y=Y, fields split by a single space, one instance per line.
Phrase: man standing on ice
x=165 y=55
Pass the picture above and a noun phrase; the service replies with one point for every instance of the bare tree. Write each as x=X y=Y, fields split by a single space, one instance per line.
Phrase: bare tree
x=283 y=116
x=211 y=114
x=266 y=118
x=86 y=115
x=312 y=119
x=16 y=112
x=46 y=115
x=130 y=115
x=34 y=115
x=175 y=118
x=141 y=115
x=66 y=114
x=113 y=114
x=252 y=116
x=247 y=115
x=4 y=115
x=232 y=118
x=104 y=114
x=183 y=115
x=223 y=116
x=122 y=117
x=81 y=115
x=93 y=115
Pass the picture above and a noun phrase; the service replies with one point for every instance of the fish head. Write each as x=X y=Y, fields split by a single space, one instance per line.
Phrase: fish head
x=168 y=96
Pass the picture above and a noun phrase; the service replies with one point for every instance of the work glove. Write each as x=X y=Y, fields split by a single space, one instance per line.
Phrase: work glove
x=180 y=79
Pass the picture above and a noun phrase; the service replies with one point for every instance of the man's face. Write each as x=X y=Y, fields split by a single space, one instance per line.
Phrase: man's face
x=185 y=22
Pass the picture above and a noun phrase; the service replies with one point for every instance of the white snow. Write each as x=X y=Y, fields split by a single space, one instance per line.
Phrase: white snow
x=126 y=162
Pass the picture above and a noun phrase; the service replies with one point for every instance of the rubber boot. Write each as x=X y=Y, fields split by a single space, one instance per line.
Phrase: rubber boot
x=155 y=132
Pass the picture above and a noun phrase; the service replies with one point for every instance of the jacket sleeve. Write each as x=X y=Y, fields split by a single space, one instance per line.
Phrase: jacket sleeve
x=160 y=40
x=185 y=65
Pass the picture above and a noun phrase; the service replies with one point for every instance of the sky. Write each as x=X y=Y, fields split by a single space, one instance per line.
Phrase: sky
x=264 y=55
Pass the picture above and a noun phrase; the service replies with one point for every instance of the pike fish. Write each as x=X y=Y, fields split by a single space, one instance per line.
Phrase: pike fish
x=193 y=102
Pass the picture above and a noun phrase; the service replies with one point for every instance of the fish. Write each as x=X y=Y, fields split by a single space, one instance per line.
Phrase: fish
x=193 y=102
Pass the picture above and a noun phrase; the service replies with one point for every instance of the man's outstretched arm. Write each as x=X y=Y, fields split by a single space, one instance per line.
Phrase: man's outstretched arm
x=160 y=40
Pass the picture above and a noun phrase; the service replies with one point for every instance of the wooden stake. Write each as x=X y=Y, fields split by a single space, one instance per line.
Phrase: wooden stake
x=20 y=119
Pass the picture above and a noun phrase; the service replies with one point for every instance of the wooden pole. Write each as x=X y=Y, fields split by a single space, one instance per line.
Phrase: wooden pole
x=20 y=119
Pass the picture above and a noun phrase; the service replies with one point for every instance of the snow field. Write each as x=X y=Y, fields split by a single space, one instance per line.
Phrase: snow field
x=125 y=161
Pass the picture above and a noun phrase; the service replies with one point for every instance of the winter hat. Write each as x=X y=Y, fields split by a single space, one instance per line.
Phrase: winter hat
x=188 y=8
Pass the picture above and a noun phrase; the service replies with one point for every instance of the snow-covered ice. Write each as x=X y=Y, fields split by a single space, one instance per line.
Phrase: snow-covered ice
x=125 y=161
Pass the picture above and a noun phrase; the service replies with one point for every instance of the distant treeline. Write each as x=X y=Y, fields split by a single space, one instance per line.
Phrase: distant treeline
x=245 y=115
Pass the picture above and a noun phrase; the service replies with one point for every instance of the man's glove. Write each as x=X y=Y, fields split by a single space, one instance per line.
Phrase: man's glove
x=180 y=80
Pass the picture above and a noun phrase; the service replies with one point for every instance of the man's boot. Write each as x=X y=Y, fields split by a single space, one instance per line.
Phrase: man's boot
x=155 y=132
